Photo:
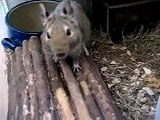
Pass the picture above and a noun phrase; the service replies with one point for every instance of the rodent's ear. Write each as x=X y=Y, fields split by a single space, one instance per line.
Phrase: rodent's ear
x=44 y=14
x=68 y=9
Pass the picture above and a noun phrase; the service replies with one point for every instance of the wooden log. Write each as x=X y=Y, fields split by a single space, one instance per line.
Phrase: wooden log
x=28 y=66
x=99 y=90
x=12 y=99
x=89 y=100
x=76 y=95
x=61 y=99
x=42 y=87
x=22 y=92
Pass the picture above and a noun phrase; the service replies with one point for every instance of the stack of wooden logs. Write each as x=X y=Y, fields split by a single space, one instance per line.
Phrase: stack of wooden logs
x=40 y=89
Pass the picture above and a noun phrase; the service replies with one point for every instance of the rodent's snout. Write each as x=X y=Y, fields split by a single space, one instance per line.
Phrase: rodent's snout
x=59 y=49
x=61 y=55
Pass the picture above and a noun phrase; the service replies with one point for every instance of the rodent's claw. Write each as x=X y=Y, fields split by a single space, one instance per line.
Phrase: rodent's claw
x=76 y=68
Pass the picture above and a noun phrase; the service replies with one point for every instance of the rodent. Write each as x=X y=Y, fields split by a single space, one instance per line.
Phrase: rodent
x=67 y=31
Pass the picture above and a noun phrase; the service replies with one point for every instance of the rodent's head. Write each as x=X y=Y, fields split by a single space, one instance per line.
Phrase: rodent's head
x=63 y=38
x=62 y=34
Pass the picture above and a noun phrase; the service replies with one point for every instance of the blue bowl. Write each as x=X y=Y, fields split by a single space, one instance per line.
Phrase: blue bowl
x=23 y=21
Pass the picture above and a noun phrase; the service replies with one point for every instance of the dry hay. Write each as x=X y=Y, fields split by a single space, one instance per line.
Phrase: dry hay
x=131 y=70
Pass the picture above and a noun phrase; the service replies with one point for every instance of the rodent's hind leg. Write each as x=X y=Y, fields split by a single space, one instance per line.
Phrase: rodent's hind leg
x=85 y=50
x=76 y=66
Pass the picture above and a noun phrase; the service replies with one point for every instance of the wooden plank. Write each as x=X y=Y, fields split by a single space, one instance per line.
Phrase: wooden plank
x=22 y=91
x=61 y=99
x=42 y=86
x=88 y=97
x=12 y=99
x=75 y=93
x=28 y=66
x=99 y=90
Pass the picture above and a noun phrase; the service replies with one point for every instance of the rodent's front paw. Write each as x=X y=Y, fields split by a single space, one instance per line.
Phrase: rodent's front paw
x=76 y=68
x=55 y=59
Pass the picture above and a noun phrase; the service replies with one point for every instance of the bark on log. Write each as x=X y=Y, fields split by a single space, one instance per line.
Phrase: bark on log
x=32 y=99
x=12 y=99
x=28 y=66
x=99 y=90
x=89 y=100
x=43 y=93
x=76 y=95
x=22 y=92
x=61 y=99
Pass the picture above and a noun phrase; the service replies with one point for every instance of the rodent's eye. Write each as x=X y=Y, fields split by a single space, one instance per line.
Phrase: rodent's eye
x=72 y=21
x=64 y=11
x=68 y=32
x=48 y=36
x=47 y=14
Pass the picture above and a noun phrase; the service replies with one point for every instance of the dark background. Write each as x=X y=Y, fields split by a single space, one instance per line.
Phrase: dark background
x=109 y=16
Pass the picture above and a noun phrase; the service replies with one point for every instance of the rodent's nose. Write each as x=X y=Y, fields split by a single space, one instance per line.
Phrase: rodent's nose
x=60 y=55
